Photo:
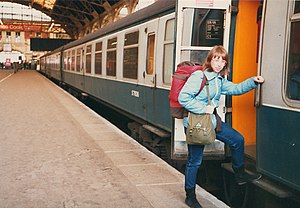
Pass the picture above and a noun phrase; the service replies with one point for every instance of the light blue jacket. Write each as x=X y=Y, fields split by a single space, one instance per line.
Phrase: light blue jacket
x=217 y=86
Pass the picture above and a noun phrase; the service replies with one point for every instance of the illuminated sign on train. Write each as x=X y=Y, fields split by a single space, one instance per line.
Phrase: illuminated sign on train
x=214 y=29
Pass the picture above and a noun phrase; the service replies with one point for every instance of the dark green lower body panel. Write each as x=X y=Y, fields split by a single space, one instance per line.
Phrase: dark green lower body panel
x=278 y=145
x=146 y=103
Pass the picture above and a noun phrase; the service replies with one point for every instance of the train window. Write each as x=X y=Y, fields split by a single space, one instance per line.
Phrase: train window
x=293 y=76
x=69 y=60
x=168 y=51
x=78 y=54
x=111 y=58
x=52 y=60
x=89 y=49
x=88 y=59
x=73 y=61
x=111 y=63
x=208 y=27
x=98 y=58
x=150 y=53
x=131 y=38
x=99 y=46
x=297 y=7
x=130 y=59
x=65 y=61
x=169 y=33
x=49 y=62
x=57 y=62
x=112 y=43
x=196 y=56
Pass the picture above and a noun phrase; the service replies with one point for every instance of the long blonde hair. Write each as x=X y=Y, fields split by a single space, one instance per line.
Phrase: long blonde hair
x=215 y=52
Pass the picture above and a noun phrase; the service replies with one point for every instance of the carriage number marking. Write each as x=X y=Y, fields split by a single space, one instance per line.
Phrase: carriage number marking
x=135 y=93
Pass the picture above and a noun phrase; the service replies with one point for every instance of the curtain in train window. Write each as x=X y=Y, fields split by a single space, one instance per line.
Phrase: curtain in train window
x=150 y=53
x=78 y=54
x=68 y=60
x=42 y=63
x=57 y=62
x=73 y=61
x=98 y=58
x=293 y=77
x=88 y=59
x=64 y=61
x=111 y=58
x=50 y=63
x=168 y=51
x=130 y=59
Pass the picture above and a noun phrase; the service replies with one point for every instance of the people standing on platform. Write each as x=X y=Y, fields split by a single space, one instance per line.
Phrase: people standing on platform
x=216 y=66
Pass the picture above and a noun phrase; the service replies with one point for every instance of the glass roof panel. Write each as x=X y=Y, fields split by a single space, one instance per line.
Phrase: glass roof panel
x=49 y=4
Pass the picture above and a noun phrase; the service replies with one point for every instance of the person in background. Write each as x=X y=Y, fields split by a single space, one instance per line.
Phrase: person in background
x=294 y=78
x=216 y=66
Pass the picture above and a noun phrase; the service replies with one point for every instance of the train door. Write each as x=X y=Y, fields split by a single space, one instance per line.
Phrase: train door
x=148 y=75
x=200 y=25
x=80 y=67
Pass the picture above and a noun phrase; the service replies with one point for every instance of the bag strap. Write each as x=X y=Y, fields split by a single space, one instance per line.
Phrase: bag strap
x=208 y=95
x=204 y=80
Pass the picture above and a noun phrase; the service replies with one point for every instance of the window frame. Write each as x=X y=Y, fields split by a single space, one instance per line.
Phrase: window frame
x=131 y=46
x=294 y=18
x=78 y=61
x=150 y=53
x=166 y=43
x=98 y=52
x=88 y=53
x=109 y=50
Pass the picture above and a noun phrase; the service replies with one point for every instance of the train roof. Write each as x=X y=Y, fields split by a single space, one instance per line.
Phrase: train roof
x=156 y=9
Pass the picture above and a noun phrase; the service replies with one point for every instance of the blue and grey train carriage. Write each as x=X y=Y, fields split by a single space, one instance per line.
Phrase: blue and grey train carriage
x=128 y=66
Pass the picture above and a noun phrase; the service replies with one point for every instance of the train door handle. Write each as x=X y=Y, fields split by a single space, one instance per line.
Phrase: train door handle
x=257 y=98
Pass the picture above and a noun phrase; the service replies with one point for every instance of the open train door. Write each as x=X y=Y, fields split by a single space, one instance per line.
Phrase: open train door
x=200 y=25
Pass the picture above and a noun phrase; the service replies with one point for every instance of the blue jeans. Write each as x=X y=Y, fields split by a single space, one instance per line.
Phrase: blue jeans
x=195 y=152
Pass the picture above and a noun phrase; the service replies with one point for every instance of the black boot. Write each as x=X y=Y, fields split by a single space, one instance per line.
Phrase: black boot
x=243 y=177
x=191 y=199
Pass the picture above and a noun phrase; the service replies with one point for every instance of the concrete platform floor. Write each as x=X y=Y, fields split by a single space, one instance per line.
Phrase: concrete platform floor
x=56 y=152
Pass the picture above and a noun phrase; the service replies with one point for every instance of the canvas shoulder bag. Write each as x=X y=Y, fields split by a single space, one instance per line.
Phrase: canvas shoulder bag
x=200 y=130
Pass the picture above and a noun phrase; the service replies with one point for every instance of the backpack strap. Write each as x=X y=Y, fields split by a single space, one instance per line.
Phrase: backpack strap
x=202 y=84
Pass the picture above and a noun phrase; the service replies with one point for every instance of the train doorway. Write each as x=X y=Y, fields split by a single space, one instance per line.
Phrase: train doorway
x=200 y=25
x=244 y=66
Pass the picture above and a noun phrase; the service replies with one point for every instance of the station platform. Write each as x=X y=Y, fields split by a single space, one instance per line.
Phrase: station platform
x=56 y=152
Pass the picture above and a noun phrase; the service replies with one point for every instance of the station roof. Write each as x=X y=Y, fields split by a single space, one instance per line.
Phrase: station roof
x=73 y=15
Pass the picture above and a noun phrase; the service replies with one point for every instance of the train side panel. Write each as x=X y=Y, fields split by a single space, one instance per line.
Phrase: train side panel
x=146 y=92
x=138 y=100
x=278 y=144
x=74 y=79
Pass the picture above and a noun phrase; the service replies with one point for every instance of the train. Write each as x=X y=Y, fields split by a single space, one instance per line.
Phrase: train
x=128 y=66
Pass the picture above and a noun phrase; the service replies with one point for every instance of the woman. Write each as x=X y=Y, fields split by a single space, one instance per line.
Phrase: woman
x=216 y=66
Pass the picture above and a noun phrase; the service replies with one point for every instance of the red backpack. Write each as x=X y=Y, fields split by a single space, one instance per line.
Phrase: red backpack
x=179 y=78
